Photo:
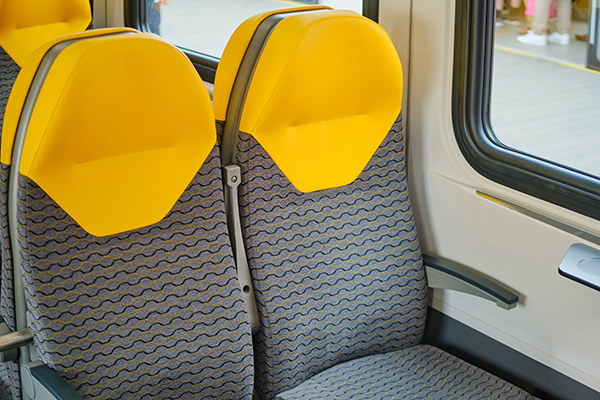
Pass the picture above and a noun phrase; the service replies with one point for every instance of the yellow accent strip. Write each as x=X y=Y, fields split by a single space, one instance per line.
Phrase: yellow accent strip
x=234 y=53
x=492 y=199
x=552 y=60
x=27 y=24
x=574 y=228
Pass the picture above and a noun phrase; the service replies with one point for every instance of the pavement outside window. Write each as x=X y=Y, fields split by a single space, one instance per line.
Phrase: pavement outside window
x=545 y=102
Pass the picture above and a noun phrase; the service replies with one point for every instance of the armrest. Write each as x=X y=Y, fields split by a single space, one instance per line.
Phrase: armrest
x=43 y=383
x=11 y=341
x=444 y=274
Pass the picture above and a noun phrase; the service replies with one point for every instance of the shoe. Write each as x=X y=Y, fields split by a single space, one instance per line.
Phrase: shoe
x=533 y=39
x=499 y=23
x=560 y=38
x=583 y=38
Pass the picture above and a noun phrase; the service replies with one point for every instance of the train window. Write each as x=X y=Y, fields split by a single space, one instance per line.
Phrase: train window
x=206 y=26
x=557 y=99
x=202 y=27
x=525 y=100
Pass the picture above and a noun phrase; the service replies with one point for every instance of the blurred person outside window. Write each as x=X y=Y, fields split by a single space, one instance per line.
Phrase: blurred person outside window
x=537 y=35
x=153 y=14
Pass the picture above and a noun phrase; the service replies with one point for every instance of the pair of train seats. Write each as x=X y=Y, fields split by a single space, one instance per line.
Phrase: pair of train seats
x=139 y=275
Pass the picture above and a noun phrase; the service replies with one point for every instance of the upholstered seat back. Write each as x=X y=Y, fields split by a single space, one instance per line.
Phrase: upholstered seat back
x=24 y=26
x=337 y=272
x=117 y=221
x=325 y=211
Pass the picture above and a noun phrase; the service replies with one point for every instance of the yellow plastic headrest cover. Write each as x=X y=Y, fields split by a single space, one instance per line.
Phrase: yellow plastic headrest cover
x=120 y=128
x=27 y=24
x=325 y=93
x=234 y=53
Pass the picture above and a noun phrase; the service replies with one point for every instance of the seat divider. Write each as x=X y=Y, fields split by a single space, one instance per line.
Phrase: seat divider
x=232 y=173
x=232 y=176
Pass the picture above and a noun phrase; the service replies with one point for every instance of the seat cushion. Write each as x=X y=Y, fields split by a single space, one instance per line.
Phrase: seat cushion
x=419 y=372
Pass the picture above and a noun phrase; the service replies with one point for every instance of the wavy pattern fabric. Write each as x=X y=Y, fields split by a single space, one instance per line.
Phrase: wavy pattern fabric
x=4 y=389
x=9 y=371
x=8 y=74
x=154 y=313
x=11 y=378
x=337 y=273
x=420 y=372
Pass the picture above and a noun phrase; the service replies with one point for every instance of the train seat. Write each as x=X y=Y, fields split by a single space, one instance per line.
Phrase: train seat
x=307 y=99
x=117 y=225
x=24 y=26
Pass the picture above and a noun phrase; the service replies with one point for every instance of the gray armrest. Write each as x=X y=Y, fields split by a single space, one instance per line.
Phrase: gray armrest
x=444 y=274
x=11 y=341
x=43 y=383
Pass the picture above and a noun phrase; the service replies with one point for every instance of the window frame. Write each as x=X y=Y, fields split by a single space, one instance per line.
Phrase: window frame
x=206 y=65
x=471 y=88
x=593 y=61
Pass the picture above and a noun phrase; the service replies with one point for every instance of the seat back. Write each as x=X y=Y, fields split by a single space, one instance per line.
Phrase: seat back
x=325 y=212
x=116 y=215
x=24 y=26
x=9 y=371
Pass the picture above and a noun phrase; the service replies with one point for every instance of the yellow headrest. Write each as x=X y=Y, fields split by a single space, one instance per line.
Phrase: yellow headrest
x=234 y=53
x=27 y=24
x=121 y=126
x=325 y=93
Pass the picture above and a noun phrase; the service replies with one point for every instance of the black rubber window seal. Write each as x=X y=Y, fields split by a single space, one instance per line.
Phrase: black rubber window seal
x=472 y=84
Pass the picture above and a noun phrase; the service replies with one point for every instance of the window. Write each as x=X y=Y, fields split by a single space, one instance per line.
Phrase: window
x=544 y=101
x=206 y=26
x=538 y=150
x=203 y=27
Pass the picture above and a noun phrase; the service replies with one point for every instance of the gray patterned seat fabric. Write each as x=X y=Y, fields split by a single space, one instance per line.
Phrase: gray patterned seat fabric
x=338 y=272
x=9 y=371
x=151 y=313
x=419 y=372
x=8 y=74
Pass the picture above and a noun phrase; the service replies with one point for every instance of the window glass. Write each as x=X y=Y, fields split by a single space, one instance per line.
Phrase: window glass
x=545 y=93
x=206 y=25
x=528 y=120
